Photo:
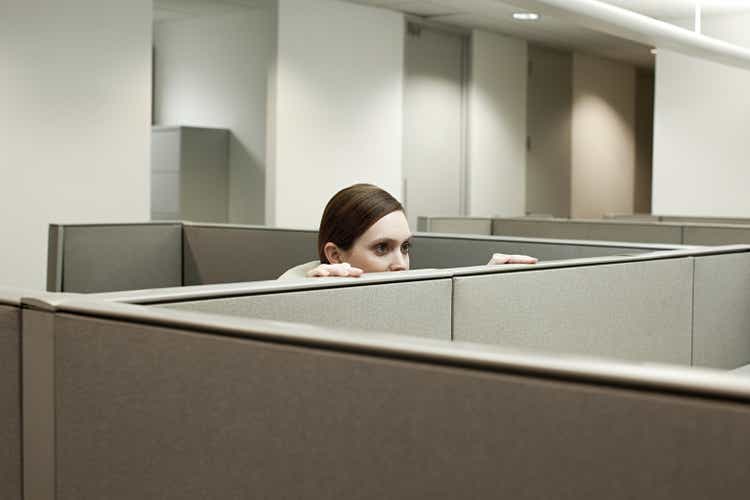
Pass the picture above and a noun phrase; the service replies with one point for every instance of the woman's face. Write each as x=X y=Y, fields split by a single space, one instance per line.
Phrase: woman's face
x=383 y=247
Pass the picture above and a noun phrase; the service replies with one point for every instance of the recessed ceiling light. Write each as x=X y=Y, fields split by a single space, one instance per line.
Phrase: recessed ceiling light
x=525 y=16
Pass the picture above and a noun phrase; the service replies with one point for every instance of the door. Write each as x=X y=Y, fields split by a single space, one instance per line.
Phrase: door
x=434 y=123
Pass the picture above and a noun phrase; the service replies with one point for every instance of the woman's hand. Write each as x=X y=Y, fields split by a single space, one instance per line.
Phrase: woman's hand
x=501 y=258
x=331 y=270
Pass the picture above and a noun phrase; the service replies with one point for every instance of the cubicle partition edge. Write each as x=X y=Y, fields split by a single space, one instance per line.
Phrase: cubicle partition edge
x=151 y=403
x=10 y=393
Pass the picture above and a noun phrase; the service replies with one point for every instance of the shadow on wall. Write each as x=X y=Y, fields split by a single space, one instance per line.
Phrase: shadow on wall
x=247 y=184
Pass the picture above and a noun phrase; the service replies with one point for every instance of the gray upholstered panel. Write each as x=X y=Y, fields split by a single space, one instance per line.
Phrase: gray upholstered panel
x=461 y=225
x=589 y=230
x=54 y=258
x=625 y=231
x=721 y=328
x=559 y=229
x=419 y=308
x=10 y=402
x=148 y=412
x=216 y=254
x=121 y=257
x=638 y=311
x=430 y=252
x=716 y=235
x=705 y=220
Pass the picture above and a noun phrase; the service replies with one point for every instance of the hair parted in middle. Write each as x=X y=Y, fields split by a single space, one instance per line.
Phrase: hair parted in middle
x=351 y=212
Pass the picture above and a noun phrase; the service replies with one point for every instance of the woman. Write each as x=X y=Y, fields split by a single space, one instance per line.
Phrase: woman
x=364 y=230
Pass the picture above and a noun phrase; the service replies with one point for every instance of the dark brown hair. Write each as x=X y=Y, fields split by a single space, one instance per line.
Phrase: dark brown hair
x=350 y=213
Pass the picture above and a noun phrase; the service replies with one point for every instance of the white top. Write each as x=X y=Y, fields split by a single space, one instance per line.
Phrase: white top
x=299 y=272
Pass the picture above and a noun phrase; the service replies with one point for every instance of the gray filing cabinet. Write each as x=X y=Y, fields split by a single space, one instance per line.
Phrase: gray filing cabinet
x=189 y=174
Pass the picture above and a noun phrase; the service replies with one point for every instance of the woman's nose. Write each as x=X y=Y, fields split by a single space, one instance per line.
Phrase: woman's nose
x=398 y=263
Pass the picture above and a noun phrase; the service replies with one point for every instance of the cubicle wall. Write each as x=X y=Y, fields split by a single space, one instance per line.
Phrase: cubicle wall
x=102 y=258
x=684 y=306
x=455 y=225
x=644 y=232
x=680 y=218
x=643 y=229
x=226 y=254
x=409 y=305
x=638 y=311
x=695 y=234
x=107 y=257
x=148 y=403
x=10 y=394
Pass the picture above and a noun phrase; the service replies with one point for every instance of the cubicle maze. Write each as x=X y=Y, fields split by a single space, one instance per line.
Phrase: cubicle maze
x=643 y=229
x=684 y=307
x=114 y=257
x=10 y=394
x=154 y=403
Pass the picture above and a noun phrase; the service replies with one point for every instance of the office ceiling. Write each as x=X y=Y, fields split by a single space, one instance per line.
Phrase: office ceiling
x=165 y=10
x=496 y=16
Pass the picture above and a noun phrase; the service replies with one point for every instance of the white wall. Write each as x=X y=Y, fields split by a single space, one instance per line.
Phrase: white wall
x=212 y=72
x=497 y=125
x=549 y=106
x=338 y=106
x=603 y=137
x=701 y=147
x=74 y=122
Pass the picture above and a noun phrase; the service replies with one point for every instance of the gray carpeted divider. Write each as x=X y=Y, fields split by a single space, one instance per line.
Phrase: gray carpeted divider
x=637 y=311
x=144 y=411
x=645 y=232
x=460 y=225
x=716 y=235
x=721 y=328
x=418 y=308
x=103 y=258
x=227 y=254
x=10 y=402
x=438 y=252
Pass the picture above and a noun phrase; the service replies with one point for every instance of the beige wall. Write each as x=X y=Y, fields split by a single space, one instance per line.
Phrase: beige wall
x=700 y=137
x=75 y=99
x=497 y=125
x=549 y=104
x=603 y=146
x=337 y=106
x=213 y=72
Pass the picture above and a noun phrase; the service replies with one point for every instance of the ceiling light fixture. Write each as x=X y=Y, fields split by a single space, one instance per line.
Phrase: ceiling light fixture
x=525 y=16
x=653 y=51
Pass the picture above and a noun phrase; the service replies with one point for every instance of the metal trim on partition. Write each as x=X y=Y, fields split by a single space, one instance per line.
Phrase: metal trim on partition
x=55 y=249
x=697 y=382
x=38 y=403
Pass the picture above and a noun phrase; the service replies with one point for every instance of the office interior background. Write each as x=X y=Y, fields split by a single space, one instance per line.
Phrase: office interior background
x=453 y=106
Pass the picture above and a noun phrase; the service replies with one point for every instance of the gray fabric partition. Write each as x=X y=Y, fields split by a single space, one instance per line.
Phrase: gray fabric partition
x=705 y=220
x=102 y=258
x=638 y=311
x=214 y=253
x=417 y=308
x=456 y=225
x=226 y=254
x=155 y=412
x=721 y=328
x=589 y=230
x=437 y=252
x=716 y=235
x=10 y=402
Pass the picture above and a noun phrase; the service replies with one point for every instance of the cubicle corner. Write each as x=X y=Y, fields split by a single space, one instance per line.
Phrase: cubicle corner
x=54 y=258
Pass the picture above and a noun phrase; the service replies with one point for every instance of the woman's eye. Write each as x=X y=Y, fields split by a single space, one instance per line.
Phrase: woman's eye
x=381 y=249
x=405 y=248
